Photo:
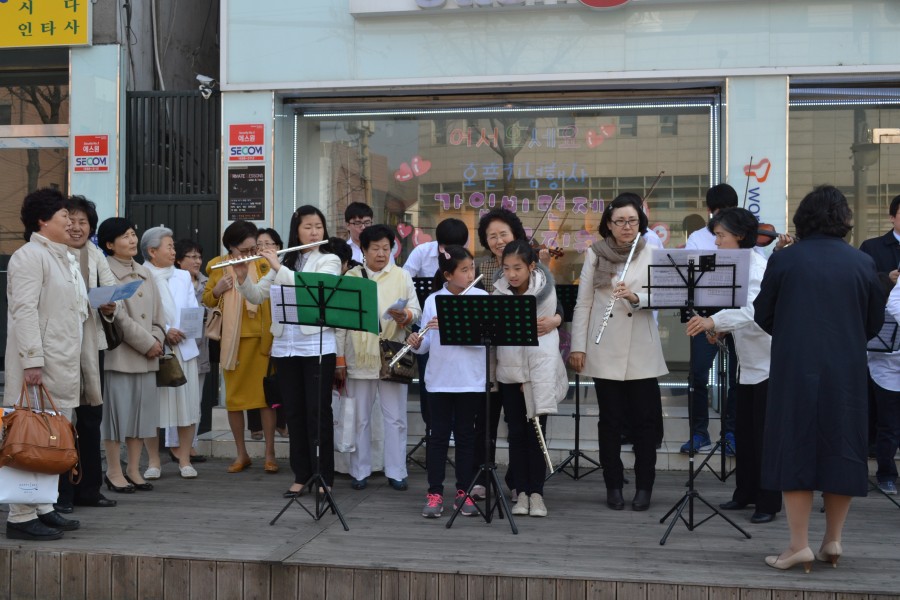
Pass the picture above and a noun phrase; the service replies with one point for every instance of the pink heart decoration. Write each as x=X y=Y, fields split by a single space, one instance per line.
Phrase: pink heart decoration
x=420 y=166
x=607 y=130
x=420 y=237
x=398 y=248
x=404 y=173
x=594 y=138
x=404 y=229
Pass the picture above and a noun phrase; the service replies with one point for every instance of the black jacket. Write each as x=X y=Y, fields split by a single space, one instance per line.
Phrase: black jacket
x=884 y=250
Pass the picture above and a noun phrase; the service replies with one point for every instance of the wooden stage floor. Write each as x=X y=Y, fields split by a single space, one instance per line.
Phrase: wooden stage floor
x=210 y=538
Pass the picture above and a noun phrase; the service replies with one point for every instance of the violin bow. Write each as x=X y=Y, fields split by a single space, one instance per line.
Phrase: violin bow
x=541 y=222
x=653 y=186
x=747 y=185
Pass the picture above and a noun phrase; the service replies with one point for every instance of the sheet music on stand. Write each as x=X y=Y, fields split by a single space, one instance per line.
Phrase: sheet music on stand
x=723 y=286
x=887 y=340
x=283 y=312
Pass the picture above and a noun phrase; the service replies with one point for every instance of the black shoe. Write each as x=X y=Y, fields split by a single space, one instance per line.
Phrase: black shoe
x=66 y=509
x=289 y=493
x=732 y=505
x=100 y=502
x=128 y=489
x=641 y=500
x=198 y=458
x=31 y=530
x=144 y=487
x=761 y=517
x=57 y=521
x=398 y=484
x=614 y=499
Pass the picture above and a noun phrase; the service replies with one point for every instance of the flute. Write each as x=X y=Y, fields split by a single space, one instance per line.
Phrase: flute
x=535 y=420
x=612 y=301
x=405 y=349
x=234 y=261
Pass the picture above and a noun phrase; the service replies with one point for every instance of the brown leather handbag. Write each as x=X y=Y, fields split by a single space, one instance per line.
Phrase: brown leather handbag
x=37 y=440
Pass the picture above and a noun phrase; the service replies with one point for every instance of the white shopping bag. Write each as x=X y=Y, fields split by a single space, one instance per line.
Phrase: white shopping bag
x=344 y=411
x=25 y=487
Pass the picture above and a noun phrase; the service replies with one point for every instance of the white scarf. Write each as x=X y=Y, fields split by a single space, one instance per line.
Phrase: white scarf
x=161 y=276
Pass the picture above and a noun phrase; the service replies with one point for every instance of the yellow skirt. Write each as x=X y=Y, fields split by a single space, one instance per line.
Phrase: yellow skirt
x=243 y=386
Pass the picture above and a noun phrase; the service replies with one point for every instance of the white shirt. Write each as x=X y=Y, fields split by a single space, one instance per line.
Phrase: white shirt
x=703 y=239
x=884 y=367
x=450 y=369
x=752 y=345
x=423 y=260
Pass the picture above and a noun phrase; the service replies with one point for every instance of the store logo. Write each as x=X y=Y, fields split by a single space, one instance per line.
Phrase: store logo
x=759 y=171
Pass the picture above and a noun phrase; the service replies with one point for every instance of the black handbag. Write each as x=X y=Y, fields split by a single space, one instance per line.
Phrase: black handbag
x=112 y=332
x=403 y=371
x=270 y=386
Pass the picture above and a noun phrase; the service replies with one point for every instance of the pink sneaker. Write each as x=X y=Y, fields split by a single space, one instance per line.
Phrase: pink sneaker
x=468 y=507
x=434 y=506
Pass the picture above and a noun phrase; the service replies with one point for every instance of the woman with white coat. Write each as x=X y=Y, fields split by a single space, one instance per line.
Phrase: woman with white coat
x=178 y=406
x=627 y=361
x=296 y=351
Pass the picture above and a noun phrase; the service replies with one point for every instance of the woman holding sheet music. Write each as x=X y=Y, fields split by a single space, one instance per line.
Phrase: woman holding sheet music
x=295 y=349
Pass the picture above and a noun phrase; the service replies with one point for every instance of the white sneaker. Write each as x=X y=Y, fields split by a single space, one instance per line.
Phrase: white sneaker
x=537 y=507
x=188 y=472
x=152 y=473
x=521 y=507
x=478 y=492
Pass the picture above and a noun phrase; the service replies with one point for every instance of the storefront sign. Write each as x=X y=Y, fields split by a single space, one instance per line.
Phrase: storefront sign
x=246 y=193
x=26 y=23
x=246 y=143
x=91 y=154
x=370 y=8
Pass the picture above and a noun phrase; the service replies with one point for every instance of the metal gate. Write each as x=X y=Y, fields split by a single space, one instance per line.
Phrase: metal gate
x=172 y=165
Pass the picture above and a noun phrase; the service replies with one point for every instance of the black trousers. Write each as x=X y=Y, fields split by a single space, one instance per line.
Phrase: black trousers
x=490 y=420
x=527 y=466
x=254 y=419
x=638 y=403
x=87 y=425
x=888 y=435
x=452 y=412
x=301 y=394
x=749 y=428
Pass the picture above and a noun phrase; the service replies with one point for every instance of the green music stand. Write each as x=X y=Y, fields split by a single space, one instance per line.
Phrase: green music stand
x=325 y=300
x=487 y=321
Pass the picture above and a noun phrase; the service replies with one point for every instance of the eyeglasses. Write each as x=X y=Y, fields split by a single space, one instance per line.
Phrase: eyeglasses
x=249 y=251
x=363 y=224
x=621 y=223
x=266 y=245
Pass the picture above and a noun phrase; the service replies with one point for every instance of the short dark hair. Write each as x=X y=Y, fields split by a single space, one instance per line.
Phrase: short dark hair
x=721 y=196
x=895 y=204
x=83 y=205
x=340 y=248
x=452 y=232
x=110 y=229
x=290 y=259
x=522 y=249
x=739 y=222
x=622 y=200
x=40 y=205
x=182 y=247
x=272 y=234
x=500 y=214
x=448 y=260
x=824 y=210
x=237 y=232
x=376 y=233
x=356 y=210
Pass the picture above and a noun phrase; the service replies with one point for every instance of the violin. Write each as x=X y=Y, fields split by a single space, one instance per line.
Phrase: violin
x=766 y=234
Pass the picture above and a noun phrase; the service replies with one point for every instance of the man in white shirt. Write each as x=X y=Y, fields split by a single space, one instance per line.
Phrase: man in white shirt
x=358 y=216
x=703 y=354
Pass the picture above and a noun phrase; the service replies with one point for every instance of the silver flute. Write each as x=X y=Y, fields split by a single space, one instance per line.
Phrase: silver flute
x=405 y=349
x=234 y=261
x=612 y=301
x=536 y=421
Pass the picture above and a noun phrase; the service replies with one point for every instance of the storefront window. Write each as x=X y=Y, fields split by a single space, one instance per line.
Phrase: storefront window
x=555 y=166
x=849 y=138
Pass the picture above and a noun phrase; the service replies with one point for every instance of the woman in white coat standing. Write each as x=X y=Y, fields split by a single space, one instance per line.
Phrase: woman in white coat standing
x=627 y=361
x=178 y=406
x=296 y=351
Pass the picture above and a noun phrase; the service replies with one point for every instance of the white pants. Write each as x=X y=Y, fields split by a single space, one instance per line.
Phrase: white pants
x=22 y=513
x=172 y=432
x=392 y=397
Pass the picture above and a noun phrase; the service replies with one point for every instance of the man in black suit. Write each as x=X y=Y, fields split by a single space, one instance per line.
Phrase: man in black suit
x=884 y=404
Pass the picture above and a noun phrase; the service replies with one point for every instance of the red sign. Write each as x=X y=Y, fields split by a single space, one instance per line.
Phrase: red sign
x=91 y=154
x=604 y=3
x=246 y=142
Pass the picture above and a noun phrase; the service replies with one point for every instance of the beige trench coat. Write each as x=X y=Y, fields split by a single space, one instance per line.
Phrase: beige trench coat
x=44 y=322
x=142 y=322
x=95 y=269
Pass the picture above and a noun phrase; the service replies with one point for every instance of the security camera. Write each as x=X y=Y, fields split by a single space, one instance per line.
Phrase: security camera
x=205 y=92
x=206 y=80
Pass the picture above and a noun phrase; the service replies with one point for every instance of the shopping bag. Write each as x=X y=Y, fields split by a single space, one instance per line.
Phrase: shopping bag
x=26 y=487
x=344 y=409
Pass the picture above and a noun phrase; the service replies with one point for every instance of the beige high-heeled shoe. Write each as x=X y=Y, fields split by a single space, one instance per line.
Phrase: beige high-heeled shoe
x=830 y=552
x=804 y=556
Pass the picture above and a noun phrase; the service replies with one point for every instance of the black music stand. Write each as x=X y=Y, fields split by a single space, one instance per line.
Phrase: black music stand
x=688 y=278
x=423 y=290
x=567 y=296
x=326 y=301
x=887 y=341
x=724 y=472
x=487 y=321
